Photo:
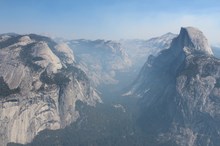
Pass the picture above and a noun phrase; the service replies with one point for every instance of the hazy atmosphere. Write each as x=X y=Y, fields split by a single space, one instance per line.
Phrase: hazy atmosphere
x=109 y=73
x=109 y=19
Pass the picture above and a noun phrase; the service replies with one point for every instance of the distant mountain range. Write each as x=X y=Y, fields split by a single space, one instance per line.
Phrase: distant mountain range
x=173 y=94
x=103 y=60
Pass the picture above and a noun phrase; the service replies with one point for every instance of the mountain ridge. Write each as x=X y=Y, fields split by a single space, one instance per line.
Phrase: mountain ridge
x=39 y=86
x=180 y=88
x=177 y=90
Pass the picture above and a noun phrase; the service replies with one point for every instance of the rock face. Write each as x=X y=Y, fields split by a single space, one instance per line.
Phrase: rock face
x=179 y=91
x=101 y=59
x=39 y=86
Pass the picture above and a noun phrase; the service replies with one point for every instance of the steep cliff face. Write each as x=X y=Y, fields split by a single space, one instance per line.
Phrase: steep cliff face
x=179 y=91
x=39 y=86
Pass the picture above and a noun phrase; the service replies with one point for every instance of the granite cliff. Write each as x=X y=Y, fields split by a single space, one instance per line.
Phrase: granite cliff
x=179 y=93
x=39 y=86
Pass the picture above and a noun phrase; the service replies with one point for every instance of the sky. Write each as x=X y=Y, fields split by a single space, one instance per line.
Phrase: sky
x=110 y=19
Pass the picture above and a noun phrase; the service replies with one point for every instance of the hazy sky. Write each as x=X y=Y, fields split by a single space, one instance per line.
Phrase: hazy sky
x=110 y=19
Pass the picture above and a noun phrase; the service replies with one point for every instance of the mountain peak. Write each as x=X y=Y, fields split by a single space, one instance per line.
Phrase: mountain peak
x=181 y=83
x=194 y=41
x=169 y=34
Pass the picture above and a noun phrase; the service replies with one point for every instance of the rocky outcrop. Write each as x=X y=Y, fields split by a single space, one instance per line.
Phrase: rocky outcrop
x=179 y=91
x=39 y=87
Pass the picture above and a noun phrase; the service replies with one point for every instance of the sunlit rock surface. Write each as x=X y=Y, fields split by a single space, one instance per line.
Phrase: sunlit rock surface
x=39 y=86
x=64 y=50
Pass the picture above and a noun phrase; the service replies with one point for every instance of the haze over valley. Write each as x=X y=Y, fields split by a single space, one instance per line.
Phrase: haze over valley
x=109 y=73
